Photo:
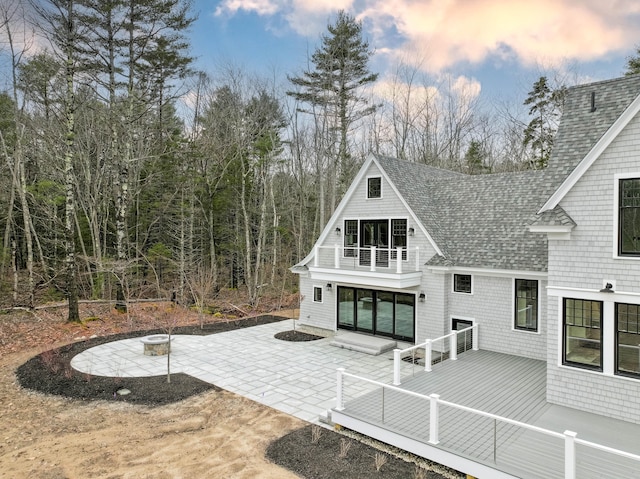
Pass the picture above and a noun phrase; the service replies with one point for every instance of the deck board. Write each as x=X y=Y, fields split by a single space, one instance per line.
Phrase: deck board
x=508 y=386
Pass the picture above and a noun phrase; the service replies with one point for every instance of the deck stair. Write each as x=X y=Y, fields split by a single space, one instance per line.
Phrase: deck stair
x=361 y=342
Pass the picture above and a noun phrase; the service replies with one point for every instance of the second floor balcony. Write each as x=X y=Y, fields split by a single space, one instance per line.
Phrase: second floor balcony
x=371 y=266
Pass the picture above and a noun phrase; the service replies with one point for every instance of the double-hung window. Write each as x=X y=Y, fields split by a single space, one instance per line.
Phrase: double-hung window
x=627 y=339
x=526 y=305
x=399 y=238
x=351 y=238
x=629 y=217
x=582 y=338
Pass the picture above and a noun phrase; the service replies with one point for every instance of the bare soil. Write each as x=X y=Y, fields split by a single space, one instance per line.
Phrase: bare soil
x=60 y=424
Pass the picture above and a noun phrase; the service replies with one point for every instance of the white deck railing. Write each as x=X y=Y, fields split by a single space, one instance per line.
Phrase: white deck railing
x=452 y=337
x=374 y=259
x=570 y=438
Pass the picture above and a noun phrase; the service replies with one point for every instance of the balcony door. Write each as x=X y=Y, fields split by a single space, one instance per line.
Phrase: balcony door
x=374 y=233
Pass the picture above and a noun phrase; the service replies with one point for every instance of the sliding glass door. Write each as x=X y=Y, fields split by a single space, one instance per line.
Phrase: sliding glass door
x=383 y=313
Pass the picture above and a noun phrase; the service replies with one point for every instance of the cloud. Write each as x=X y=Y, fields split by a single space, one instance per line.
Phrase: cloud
x=306 y=17
x=473 y=30
x=470 y=31
x=261 y=7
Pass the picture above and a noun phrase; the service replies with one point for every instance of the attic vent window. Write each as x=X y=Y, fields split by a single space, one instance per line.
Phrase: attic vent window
x=593 y=101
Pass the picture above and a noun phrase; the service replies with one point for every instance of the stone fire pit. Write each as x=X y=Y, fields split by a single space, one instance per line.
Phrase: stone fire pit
x=156 y=344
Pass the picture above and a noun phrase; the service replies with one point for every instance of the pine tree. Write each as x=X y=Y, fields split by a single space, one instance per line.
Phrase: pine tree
x=546 y=108
x=633 y=63
x=334 y=85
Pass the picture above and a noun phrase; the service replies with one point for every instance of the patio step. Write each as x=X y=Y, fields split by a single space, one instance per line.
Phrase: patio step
x=363 y=343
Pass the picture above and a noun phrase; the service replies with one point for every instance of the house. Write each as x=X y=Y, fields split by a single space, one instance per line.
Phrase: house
x=546 y=263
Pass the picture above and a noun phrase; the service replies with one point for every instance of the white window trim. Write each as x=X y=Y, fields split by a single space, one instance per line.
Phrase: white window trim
x=453 y=285
x=366 y=193
x=608 y=341
x=513 y=307
x=616 y=214
x=321 y=294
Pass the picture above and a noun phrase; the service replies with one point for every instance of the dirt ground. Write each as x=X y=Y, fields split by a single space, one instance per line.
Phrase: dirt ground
x=215 y=434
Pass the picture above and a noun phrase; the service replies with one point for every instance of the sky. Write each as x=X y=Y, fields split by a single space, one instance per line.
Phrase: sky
x=498 y=47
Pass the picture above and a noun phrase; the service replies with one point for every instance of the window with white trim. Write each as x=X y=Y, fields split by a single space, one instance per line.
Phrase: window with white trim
x=462 y=283
x=317 y=294
x=526 y=304
x=627 y=339
x=374 y=187
x=582 y=333
x=399 y=238
x=351 y=238
x=629 y=217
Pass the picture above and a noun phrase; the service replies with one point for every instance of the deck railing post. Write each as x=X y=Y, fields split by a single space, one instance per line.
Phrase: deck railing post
x=396 y=367
x=339 y=392
x=316 y=259
x=570 y=455
x=373 y=258
x=399 y=260
x=428 y=349
x=453 y=346
x=336 y=257
x=474 y=337
x=433 y=419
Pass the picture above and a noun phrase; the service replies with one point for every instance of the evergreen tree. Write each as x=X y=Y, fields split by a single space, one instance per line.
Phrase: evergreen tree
x=546 y=108
x=633 y=63
x=334 y=85
x=475 y=158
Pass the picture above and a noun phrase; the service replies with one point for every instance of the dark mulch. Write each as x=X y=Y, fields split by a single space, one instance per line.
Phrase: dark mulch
x=293 y=335
x=50 y=372
x=296 y=452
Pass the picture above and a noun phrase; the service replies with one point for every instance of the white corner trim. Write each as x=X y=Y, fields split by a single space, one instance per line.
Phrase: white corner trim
x=606 y=139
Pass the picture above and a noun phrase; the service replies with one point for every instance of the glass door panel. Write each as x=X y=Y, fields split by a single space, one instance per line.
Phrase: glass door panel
x=405 y=316
x=364 y=310
x=374 y=233
x=384 y=313
x=346 y=307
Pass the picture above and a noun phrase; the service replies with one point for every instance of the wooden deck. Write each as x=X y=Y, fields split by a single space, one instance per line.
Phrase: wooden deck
x=504 y=385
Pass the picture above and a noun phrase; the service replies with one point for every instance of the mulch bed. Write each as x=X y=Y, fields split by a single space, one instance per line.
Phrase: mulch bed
x=342 y=457
x=293 y=335
x=50 y=372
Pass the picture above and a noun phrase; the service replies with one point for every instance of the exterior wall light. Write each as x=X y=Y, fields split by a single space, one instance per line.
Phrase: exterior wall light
x=608 y=288
x=329 y=286
x=338 y=231
x=422 y=297
x=411 y=231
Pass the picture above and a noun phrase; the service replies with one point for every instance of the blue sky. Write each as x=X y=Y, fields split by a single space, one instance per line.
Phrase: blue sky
x=499 y=46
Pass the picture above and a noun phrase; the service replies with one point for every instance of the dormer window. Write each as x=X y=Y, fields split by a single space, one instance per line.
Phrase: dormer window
x=374 y=187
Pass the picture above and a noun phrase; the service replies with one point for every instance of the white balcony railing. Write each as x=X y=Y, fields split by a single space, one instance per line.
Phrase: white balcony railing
x=569 y=438
x=469 y=341
x=374 y=259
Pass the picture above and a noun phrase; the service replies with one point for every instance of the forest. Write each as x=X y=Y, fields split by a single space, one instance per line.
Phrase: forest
x=128 y=174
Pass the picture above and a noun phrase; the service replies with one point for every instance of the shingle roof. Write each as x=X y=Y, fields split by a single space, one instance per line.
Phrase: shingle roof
x=482 y=221
x=477 y=221
x=580 y=128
